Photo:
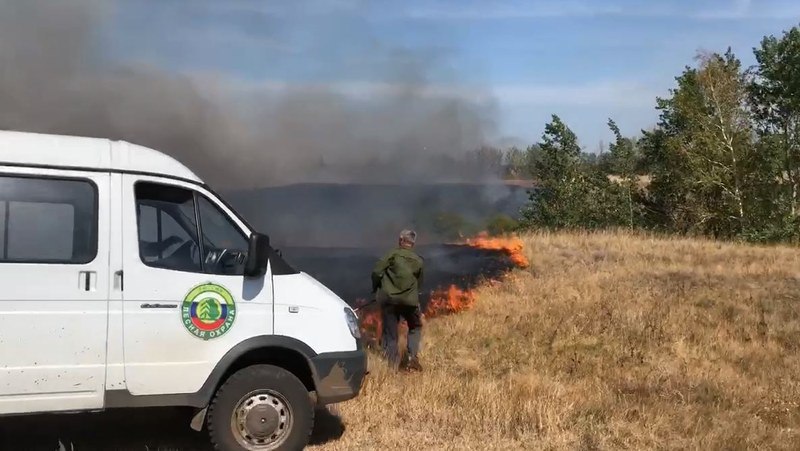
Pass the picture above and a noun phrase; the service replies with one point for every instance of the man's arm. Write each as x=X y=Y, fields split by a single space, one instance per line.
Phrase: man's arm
x=377 y=272
x=420 y=276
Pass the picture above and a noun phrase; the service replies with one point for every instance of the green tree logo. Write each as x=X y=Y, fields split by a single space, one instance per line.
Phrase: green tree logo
x=209 y=310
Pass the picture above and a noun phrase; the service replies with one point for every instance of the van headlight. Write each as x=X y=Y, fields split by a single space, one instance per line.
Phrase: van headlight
x=352 y=322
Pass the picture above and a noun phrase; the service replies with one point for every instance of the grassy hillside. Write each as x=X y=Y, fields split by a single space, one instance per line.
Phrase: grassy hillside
x=605 y=342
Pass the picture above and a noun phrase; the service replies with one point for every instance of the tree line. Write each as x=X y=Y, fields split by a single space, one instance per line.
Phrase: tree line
x=723 y=160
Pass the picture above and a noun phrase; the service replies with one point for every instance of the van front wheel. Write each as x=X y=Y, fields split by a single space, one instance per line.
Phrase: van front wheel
x=261 y=407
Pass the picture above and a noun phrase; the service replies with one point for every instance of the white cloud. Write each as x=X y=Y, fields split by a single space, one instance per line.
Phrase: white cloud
x=736 y=10
x=192 y=37
x=277 y=8
x=753 y=9
x=609 y=94
x=513 y=9
x=509 y=9
x=517 y=10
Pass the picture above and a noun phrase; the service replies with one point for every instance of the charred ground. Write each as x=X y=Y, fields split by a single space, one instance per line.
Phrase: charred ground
x=346 y=271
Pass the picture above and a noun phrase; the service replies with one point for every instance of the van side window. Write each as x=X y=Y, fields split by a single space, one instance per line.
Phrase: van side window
x=167 y=227
x=47 y=220
x=169 y=231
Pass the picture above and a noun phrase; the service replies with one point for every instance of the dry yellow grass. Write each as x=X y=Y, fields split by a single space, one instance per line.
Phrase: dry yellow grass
x=607 y=341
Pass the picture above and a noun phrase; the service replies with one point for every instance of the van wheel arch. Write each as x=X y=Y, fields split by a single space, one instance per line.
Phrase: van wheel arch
x=281 y=351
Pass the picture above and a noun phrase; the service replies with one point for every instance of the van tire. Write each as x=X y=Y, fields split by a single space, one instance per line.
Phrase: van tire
x=284 y=386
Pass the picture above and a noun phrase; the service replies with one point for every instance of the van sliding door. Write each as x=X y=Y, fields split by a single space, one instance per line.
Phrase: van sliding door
x=54 y=248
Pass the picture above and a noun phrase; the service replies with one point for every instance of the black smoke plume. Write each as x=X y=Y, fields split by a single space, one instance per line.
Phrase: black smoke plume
x=395 y=128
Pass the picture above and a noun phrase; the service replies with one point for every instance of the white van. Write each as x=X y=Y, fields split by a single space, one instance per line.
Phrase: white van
x=126 y=282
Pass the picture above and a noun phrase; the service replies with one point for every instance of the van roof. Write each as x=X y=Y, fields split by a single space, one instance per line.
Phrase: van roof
x=39 y=149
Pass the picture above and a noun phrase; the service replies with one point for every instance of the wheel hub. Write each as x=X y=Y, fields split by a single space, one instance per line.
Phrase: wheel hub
x=261 y=420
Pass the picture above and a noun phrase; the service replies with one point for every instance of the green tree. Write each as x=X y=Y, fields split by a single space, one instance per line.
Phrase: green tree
x=452 y=226
x=622 y=161
x=703 y=152
x=533 y=156
x=486 y=160
x=775 y=95
x=559 y=201
x=500 y=224
x=725 y=139
x=516 y=163
x=667 y=188
x=724 y=159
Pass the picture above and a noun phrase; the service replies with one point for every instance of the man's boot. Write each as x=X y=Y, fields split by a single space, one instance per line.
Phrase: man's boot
x=413 y=365
x=404 y=362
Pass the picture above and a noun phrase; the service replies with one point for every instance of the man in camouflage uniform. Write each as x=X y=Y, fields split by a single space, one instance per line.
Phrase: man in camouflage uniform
x=396 y=282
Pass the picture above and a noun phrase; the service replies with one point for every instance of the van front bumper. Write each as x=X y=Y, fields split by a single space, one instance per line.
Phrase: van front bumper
x=339 y=375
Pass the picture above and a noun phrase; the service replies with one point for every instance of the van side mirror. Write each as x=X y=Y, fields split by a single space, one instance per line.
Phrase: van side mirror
x=257 y=255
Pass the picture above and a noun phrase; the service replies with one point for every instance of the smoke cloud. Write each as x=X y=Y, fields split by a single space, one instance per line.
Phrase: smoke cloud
x=395 y=126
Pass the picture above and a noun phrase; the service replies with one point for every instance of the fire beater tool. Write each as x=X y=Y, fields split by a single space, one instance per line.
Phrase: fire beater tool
x=366 y=304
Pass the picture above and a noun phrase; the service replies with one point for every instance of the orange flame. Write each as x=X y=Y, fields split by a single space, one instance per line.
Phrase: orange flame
x=371 y=325
x=511 y=245
x=442 y=302
x=450 y=300
x=445 y=301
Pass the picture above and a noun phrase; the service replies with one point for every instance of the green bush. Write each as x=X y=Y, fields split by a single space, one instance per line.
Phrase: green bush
x=452 y=226
x=500 y=224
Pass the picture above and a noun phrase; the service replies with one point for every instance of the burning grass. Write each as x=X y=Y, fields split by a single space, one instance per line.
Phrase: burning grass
x=605 y=341
x=513 y=246
x=450 y=299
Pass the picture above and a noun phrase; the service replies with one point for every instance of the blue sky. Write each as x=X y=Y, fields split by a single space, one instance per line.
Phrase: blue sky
x=584 y=60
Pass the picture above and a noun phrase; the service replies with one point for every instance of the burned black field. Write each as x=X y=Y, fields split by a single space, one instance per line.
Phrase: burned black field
x=346 y=271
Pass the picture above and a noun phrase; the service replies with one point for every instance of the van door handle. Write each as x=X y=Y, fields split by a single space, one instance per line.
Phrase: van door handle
x=159 y=305
x=118 y=280
x=87 y=280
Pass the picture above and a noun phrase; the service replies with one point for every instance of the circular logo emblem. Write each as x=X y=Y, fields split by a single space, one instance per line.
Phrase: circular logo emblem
x=208 y=311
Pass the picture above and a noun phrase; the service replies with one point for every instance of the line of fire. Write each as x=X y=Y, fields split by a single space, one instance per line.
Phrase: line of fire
x=452 y=272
